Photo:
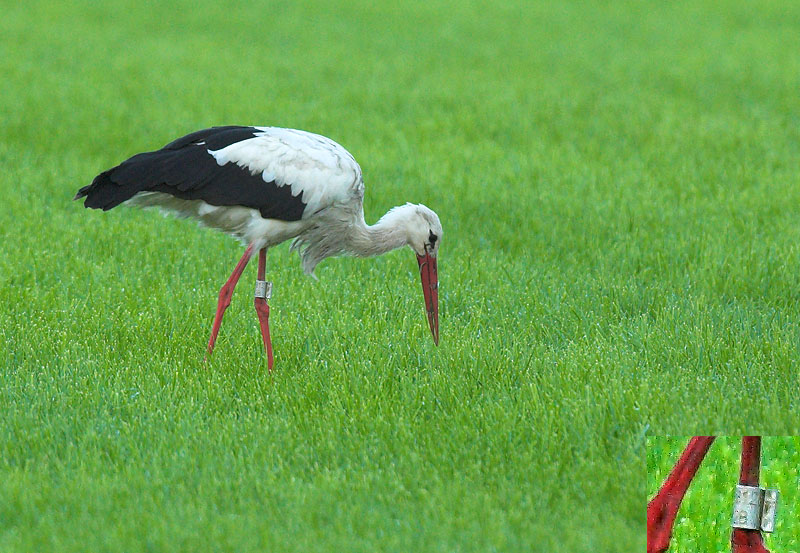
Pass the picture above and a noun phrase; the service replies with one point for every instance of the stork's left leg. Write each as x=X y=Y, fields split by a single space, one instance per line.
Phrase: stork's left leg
x=663 y=508
x=263 y=292
x=225 y=294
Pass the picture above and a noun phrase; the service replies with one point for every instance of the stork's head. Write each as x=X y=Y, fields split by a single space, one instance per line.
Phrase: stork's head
x=424 y=236
x=422 y=231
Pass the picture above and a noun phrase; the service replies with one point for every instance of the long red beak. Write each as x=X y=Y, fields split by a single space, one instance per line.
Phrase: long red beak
x=430 y=288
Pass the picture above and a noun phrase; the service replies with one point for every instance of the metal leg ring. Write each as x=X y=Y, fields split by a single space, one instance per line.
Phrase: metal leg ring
x=263 y=289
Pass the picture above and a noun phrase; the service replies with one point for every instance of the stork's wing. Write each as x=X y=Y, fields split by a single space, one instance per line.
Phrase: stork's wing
x=283 y=173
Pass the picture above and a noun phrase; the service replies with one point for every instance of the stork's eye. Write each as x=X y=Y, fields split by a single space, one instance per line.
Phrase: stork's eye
x=433 y=238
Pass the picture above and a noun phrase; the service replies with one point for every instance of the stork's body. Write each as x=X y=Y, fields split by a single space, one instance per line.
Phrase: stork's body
x=265 y=185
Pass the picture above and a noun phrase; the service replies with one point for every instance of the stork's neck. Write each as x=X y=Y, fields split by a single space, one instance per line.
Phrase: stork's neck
x=339 y=232
x=388 y=234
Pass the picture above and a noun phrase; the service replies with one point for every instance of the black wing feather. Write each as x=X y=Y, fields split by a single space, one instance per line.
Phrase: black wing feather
x=226 y=138
x=184 y=169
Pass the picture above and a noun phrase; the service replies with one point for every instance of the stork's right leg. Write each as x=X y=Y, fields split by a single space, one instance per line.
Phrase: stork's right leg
x=263 y=291
x=225 y=294
x=742 y=540
x=661 y=511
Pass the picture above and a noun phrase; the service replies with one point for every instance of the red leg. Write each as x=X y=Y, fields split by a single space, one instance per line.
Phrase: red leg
x=262 y=309
x=742 y=540
x=225 y=294
x=663 y=508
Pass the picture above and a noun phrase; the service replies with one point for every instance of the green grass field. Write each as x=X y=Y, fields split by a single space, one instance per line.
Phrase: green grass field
x=619 y=190
x=704 y=519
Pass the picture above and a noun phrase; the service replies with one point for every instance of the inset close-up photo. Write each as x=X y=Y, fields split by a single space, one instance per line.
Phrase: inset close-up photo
x=722 y=493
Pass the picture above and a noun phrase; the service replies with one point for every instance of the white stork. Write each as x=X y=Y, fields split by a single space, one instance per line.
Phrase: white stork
x=264 y=185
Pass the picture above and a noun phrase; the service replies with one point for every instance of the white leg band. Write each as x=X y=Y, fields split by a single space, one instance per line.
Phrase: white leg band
x=263 y=289
x=754 y=508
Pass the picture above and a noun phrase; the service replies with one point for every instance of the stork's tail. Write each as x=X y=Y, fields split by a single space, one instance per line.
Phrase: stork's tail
x=97 y=193
x=118 y=184
x=104 y=193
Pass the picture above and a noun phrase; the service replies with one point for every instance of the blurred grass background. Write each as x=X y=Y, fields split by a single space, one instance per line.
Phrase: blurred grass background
x=704 y=519
x=618 y=185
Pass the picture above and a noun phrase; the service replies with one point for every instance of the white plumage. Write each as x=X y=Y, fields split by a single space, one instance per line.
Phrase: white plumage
x=316 y=168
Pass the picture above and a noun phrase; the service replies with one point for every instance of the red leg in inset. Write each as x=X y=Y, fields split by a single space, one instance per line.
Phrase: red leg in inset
x=742 y=540
x=225 y=294
x=663 y=508
x=263 y=291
